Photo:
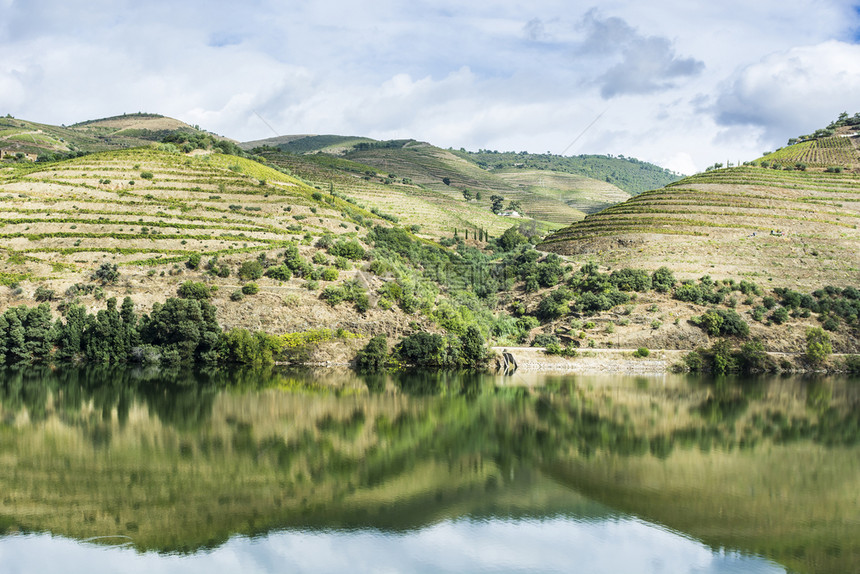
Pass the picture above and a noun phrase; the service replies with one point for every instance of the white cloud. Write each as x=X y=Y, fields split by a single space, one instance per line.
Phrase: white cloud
x=511 y=75
x=795 y=91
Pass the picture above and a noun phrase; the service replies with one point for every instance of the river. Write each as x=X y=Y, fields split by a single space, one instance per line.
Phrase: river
x=271 y=470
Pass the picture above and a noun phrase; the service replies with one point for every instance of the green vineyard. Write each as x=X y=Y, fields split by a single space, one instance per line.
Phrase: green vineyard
x=824 y=152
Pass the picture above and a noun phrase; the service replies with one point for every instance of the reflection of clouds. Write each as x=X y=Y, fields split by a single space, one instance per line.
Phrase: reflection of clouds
x=557 y=545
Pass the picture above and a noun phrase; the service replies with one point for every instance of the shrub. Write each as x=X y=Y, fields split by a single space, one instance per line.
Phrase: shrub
x=193 y=261
x=641 y=352
x=44 y=294
x=279 y=273
x=779 y=315
x=251 y=270
x=724 y=322
x=818 y=346
x=662 y=280
x=146 y=175
x=631 y=280
x=544 y=340
x=250 y=289
x=106 y=273
x=373 y=356
x=330 y=274
x=237 y=295
x=554 y=305
x=350 y=249
x=421 y=349
x=194 y=290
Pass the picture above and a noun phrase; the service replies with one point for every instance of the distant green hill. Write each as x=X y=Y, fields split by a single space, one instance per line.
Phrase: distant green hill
x=301 y=144
x=632 y=175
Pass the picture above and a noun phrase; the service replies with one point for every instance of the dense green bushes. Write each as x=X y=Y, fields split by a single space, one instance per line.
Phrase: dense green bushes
x=178 y=331
x=724 y=322
x=424 y=349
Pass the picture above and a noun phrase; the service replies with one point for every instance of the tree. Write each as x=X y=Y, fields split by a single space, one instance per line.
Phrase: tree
x=446 y=180
x=467 y=195
x=373 y=356
x=474 y=350
x=498 y=203
x=818 y=346
x=510 y=239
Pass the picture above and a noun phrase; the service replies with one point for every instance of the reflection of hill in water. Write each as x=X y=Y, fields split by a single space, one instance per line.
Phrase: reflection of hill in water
x=183 y=461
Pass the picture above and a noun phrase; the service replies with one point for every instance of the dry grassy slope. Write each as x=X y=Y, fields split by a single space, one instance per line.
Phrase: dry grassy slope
x=721 y=223
x=59 y=222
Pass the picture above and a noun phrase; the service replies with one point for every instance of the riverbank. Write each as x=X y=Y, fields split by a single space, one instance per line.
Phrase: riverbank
x=623 y=361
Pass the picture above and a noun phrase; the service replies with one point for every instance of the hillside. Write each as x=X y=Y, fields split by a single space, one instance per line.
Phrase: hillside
x=792 y=227
x=148 y=211
x=118 y=132
x=442 y=177
x=629 y=174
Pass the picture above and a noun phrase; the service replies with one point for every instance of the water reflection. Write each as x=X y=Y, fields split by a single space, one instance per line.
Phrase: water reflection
x=183 y=461
x=550 y=546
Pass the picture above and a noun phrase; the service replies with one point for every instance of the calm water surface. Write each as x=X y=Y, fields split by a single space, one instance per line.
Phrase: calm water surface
x=279 y=471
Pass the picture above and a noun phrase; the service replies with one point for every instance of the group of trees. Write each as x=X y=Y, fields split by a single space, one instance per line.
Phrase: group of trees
x=178 y=331
x=422 y=349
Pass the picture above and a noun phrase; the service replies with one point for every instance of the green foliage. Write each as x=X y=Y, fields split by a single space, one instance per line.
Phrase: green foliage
x=373 y=356
x=250 y=289
x=544 y=340
x=194 y=290
x=631 y=280
x=641 y=352
x=511 y=239
x=723 y=322
x=146 y=175
x=106 y=273
x=193 y=261
x=754 y=359
x=554 y=305
x=183 y=330
x=818 y=346
x=663 y=280
x=779 y=315
x=43 y=294
x=244 y=347
x=349 y=249
x=330 y=274
x=251 y=270
x=346 y=291
x=279 y=273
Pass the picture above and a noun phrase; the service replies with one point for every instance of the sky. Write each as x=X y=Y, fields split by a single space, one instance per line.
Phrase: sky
x=679 y=84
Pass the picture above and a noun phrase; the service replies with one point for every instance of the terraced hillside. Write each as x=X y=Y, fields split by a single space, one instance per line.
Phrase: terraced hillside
x=839 y=150
x=789 y=228
x=579 y=192
x=435 y=213
x=148 y=211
